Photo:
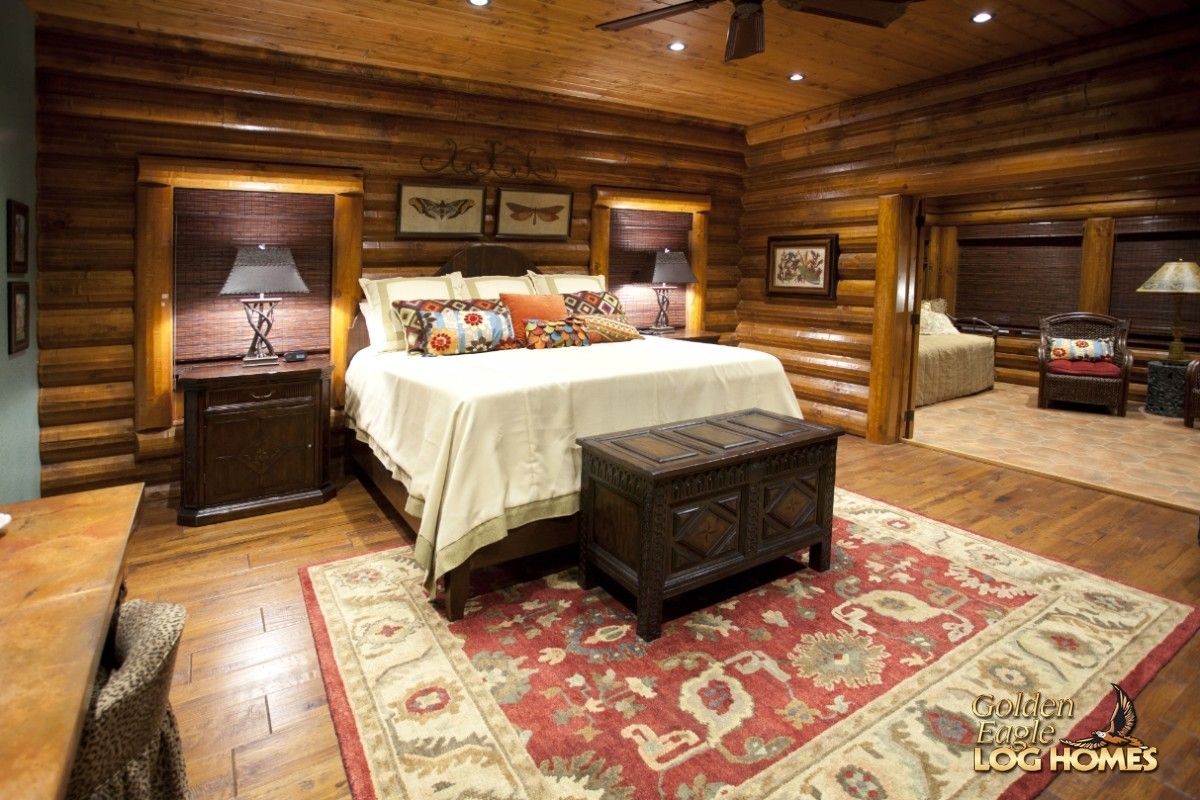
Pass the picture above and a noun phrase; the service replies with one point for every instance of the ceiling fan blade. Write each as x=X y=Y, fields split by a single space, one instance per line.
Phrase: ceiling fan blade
x=746 y=30
x=879 y=13
x=656 y=14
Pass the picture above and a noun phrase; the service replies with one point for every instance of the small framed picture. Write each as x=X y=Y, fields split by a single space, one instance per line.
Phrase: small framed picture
x=533 y=214
x=803 y=266
x=18 y=237
x=18 y=316
x=439 y=211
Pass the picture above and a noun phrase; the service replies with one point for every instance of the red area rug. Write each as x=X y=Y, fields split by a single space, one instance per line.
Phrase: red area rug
x=854 y=683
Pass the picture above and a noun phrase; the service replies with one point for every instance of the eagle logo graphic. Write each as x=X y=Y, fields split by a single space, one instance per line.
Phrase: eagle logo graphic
x=1117 y=734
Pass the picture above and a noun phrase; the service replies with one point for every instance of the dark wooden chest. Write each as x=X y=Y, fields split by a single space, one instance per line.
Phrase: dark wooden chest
x=670 y=508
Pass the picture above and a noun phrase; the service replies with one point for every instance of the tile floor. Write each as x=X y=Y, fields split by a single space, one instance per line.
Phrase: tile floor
x=1141 y=454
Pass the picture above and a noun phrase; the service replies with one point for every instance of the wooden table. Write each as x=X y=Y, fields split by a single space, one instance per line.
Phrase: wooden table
x=61 y=564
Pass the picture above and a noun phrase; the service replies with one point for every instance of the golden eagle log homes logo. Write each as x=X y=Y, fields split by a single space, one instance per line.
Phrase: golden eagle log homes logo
x=1017 y=729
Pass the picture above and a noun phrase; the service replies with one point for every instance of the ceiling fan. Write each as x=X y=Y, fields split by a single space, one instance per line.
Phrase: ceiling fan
x=746 y=25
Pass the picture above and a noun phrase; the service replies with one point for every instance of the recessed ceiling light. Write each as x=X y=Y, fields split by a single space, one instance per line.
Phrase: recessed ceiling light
x=795 y=76
x=480 y=3
x=981 y=17
x=677 y=46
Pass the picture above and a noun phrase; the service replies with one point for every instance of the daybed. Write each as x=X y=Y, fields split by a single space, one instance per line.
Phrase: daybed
x=951 y=363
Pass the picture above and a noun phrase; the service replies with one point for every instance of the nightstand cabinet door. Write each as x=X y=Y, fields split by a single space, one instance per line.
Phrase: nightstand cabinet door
x=254 y=441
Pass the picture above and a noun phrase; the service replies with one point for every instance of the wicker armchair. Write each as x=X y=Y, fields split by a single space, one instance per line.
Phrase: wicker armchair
x=130 y=748
x=1095 y=383
x=1191 y=395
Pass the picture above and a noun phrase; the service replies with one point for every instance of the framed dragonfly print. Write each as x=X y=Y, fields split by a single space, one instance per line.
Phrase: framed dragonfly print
x=439 y=211
x=803 y=266
x=533 y=214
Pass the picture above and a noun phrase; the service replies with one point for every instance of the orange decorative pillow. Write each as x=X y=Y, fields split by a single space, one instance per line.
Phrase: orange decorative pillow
x=524 y=307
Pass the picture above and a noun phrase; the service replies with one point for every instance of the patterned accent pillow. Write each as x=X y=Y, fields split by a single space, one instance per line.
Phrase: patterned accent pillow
x=1082 y=349
x=456 y=332
x=541 y=334
x=602 y=328
x=408 y=320
x=592 y=303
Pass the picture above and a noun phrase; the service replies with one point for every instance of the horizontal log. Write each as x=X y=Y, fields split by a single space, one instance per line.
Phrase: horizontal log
x=159 y=444
x=851 y=396
x=80 y=327
x=818 y=365
x=81 y=365
x=58 y=250
x=1018 y=376
x=92 y=289
x=60 y=443
x=720 y=321
x=855 y=344
x=856 y=266
x=71 y=476
x=68 y=405
x=799 y=313
x=853 y=422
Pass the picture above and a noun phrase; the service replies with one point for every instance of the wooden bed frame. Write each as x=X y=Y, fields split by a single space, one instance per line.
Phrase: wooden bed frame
x=536 y=537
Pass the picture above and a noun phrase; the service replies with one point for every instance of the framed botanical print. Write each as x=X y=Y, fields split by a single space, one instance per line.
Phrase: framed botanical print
x=18 y=237
x=18 y=316
x=439 y=211
x=803 y=266
x=533 y=214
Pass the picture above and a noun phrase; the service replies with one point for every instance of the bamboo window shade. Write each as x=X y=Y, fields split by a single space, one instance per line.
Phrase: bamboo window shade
x=635 y=235
x=1143 y=245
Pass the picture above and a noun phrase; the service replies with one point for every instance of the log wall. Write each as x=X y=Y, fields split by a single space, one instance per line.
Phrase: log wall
x=1104 y=128
x=108 y=95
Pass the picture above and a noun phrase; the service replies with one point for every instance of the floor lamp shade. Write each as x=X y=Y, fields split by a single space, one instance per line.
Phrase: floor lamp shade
x=1177 y=278
x=259 y=274
x=670 y=266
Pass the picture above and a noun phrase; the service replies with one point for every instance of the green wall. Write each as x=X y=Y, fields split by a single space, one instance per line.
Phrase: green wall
x=20 y=464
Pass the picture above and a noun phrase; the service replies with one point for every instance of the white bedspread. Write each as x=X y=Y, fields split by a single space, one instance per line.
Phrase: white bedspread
x=486 y=442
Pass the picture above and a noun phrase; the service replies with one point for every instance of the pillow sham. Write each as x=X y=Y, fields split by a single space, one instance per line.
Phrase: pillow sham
x=592 y=303
x=533 y=306
x=565 y=283
x=1082 y=349
x=489 y=287
x=408 y=316
x=374 y=330
x=545 y=334
x=456 y=332
x=382 y=293
x=603 y=328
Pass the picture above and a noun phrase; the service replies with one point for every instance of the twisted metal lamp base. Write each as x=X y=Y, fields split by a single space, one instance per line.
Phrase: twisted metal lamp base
x=260 y=313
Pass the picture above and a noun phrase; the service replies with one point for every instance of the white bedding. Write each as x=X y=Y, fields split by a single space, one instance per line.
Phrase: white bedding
x=486 y=442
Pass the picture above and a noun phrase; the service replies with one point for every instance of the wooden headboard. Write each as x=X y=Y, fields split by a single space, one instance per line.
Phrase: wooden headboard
x=472 y=261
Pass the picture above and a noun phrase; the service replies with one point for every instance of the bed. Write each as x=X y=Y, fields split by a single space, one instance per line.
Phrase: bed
x=478 y=453
x=951 y=363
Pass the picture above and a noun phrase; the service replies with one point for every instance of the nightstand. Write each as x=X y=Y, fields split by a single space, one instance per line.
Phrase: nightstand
x=693 y=335
x=256 y=439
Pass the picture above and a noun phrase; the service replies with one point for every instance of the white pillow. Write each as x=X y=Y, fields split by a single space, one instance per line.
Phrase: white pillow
x=489 y=287
x=381 y=293
x=935 y=322
x=566 y=283
x=374 y=332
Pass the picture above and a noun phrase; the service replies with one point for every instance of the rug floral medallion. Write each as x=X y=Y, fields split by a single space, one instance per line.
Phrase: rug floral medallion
x=854 y=683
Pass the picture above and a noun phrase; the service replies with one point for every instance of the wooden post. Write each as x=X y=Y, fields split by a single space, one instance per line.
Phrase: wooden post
x=894 y=285
x=1095 y=269
x=698 y=249
x=347 y=269
x=601 y=219
x=943 y=265
x=154 y=308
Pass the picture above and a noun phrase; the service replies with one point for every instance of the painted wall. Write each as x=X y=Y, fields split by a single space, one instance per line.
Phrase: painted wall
x=19 y=462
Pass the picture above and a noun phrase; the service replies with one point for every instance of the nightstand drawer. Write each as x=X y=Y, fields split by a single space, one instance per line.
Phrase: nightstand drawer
x=261 y=393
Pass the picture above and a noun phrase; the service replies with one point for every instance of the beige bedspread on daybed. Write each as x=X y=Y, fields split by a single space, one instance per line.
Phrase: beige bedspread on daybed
x=486 y=442
x=953 y=365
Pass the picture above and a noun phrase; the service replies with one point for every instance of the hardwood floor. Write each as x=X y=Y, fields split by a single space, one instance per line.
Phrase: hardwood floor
x=248 y=691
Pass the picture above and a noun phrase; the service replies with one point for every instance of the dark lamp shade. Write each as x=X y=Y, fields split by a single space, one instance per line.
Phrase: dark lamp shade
x=671 y=266
x=264 y=270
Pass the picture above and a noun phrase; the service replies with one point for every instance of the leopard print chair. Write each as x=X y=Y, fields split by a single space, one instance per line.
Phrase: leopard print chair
x=130 y=748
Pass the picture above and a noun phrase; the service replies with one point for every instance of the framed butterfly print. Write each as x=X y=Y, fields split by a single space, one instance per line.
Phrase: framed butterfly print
x=439 y=211
x=533 y=214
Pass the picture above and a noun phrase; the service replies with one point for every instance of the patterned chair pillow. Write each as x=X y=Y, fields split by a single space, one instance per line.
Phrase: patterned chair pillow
x=454 y=332
x=1082 y=349
x=408 y=320
x=543 y=334
x=602 y=328
x=594 y=303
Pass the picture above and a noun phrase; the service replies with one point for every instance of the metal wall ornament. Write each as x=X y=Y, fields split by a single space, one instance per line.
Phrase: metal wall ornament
x=493 y=157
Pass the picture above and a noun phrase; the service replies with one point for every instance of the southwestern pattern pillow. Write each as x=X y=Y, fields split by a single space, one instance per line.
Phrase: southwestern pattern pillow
x=601 y=328
x=591 y=303
x=542 y=334
x=408 y=320
x=454 y=333
x=1082 y=349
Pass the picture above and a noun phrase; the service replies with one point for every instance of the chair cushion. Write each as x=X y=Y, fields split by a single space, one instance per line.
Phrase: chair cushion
x=1095 y=369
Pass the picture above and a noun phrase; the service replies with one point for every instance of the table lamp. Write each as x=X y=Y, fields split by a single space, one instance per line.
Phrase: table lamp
x=262 y=270
x=1177 y=278
x=670 y=266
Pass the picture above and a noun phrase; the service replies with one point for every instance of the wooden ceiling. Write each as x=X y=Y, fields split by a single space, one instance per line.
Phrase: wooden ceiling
x=553 y=45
